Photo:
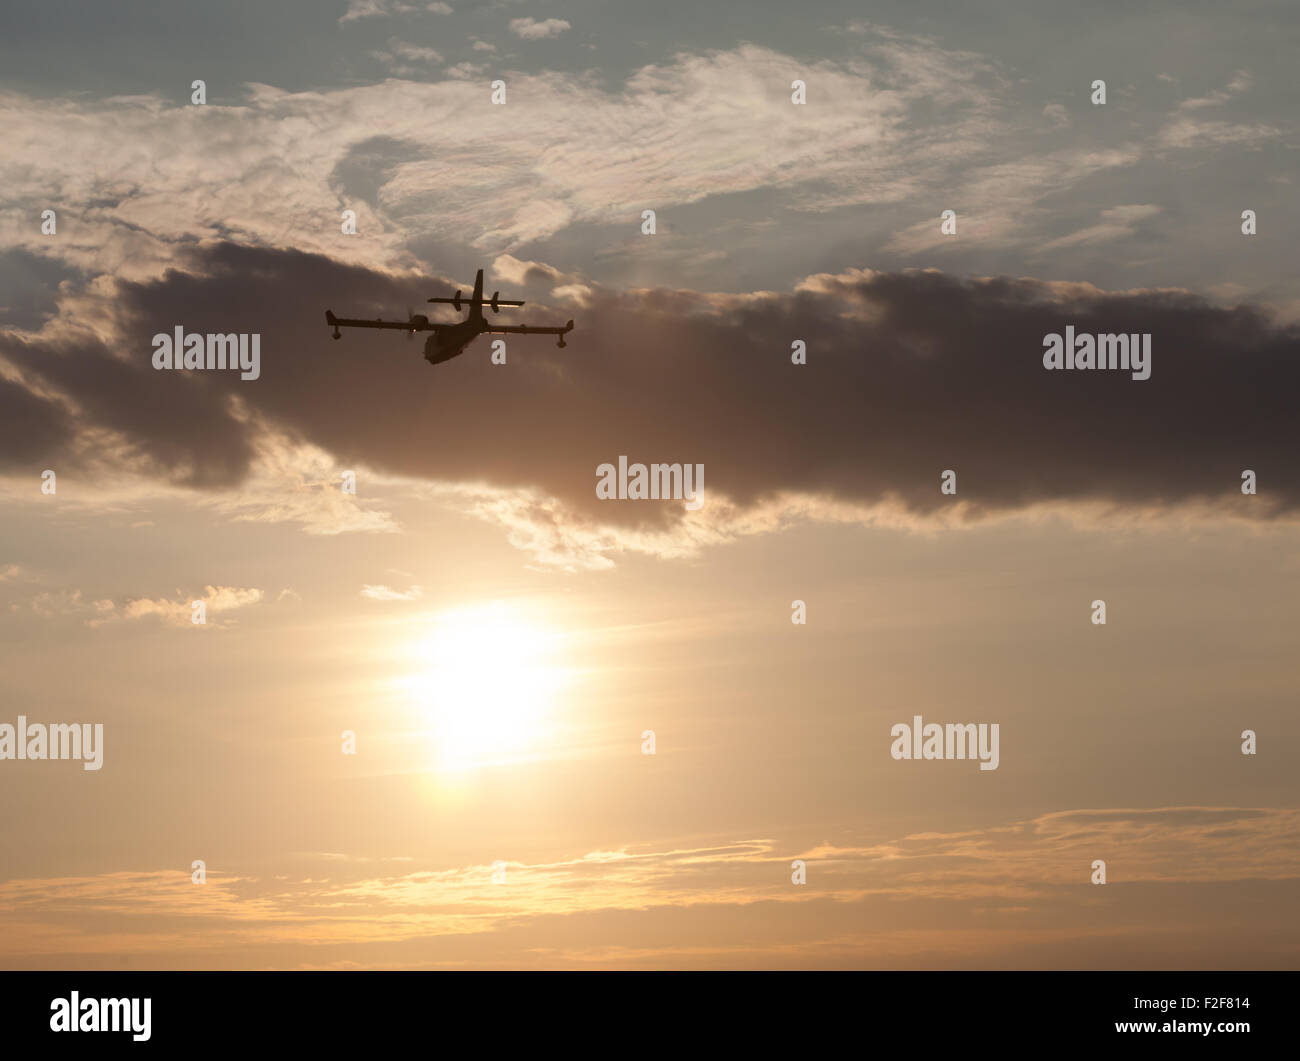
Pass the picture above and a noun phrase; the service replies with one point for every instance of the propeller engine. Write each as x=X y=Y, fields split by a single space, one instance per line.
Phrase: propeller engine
x=415 y=322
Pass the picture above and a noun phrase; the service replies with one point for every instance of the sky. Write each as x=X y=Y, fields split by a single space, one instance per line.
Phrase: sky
x=476 y=715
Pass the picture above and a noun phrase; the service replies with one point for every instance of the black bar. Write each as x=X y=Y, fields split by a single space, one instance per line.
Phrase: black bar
x=598 y=1013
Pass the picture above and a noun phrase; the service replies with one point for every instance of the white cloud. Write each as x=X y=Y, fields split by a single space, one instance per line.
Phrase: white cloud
x=1116 y=223
x=217 y=599
x=266 y=172
x=465 y=71
x=1186 y=130
x=556 y=537
x=359 y=9
x=178 y=612
x=400 y=55
x=1240 y=83
x=295 y=482
x=908 y=117
x=382 y=592
x=530 y=29
x=1017 y=188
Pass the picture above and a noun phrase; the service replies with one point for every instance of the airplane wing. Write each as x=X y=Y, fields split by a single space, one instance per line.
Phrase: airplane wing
x=415 y=324
x=530 y=329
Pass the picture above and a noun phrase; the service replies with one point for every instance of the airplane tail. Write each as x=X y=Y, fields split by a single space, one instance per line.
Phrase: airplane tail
x=476 y=307
x=476 y=301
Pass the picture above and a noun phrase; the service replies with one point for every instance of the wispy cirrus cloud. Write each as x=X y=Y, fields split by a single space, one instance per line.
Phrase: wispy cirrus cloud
x=1117 y=222
x=454 y=174
x=1024 y=883
x=1188 y=128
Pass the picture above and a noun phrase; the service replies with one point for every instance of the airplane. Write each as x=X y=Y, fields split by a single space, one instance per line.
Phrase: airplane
x=450 y=340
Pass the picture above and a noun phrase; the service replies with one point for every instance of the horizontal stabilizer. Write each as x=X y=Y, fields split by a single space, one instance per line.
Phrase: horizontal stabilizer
x=458 y=302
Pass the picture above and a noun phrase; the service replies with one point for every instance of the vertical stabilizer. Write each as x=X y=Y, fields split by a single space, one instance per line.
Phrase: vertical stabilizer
x=476 y=307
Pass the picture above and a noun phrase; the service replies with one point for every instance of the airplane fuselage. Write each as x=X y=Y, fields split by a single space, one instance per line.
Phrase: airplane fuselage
x=451 y=342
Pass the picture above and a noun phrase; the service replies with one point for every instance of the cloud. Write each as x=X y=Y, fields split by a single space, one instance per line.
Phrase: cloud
x=217 y=599
x=1186 y=130
x=530 y=29
x=383 y=593
x=359 y=9
x=1117 y=222
x=1018 y=188
x=906 y=372
x=1014 y=894
x=55 y=604
x=280 y=166
x=1241 y=82
x=402 y=58
x=294 y=482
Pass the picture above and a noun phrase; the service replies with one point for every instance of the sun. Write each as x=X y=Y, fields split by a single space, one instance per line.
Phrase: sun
x=486 y=683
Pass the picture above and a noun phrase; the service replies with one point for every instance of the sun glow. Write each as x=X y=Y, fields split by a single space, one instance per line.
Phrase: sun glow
x=487 y=685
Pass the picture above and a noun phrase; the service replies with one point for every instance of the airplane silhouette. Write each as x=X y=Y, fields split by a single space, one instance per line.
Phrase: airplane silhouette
x=450 y=340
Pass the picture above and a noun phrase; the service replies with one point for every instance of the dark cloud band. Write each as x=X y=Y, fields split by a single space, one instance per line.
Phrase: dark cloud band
x=908 y=374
